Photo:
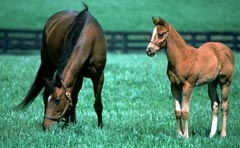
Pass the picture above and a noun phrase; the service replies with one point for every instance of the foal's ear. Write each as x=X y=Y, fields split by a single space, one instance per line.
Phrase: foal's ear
x=58 y=81
x=161 y=21
x=154 y=21
x=158 y=21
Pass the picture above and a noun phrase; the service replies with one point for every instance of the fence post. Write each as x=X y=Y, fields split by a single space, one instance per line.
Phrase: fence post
x=235 y=41
x=5 y=41
x=37 y=40
x=193 y=42
x=208 y=36
x=125 y=42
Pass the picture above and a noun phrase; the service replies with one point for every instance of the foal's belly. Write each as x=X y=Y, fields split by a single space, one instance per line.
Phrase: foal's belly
x=207 y=76
x=205 y=80
x=208 y=67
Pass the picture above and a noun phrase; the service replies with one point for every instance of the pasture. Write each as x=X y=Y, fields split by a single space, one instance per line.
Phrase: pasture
x=138 y=108
x=184 y=15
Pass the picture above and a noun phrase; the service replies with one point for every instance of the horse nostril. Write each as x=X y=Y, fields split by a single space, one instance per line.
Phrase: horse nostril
x=148 y=50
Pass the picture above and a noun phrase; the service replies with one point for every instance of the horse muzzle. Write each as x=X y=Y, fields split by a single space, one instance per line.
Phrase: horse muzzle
x=150 y=52
x=47 y=123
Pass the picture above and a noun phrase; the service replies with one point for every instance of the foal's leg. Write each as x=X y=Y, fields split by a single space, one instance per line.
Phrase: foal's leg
x=187 y=91
x=225 y=90
x=97 y=87
x=177 y=95
x=212 y=93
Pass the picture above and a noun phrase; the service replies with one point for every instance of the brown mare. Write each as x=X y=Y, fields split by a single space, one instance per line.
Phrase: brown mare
x=73 y=47
x=212 y=64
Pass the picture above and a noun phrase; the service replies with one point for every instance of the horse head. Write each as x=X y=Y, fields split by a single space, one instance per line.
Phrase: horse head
x=159 y=36
x=58 y=102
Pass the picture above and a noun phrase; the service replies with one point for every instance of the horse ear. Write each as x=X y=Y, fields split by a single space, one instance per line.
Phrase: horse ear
x=161 y=21
x=158 y=21
x=58 y=81
x=154 y=21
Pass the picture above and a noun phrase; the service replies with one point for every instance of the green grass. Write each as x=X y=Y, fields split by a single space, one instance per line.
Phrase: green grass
x=138 y=108
x=184 y=15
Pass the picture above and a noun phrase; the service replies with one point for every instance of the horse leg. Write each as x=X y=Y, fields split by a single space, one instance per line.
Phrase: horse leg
x=77 y=88
x=225 y=90
x=48 y=75
x=97 y=87
x=212 y=93
x=49 y=70
x=177 y=95
x=187 y=90
x=71 y=115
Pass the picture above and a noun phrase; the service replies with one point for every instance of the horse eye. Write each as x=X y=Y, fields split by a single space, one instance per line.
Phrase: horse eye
x=57 y=101
x=160 y=35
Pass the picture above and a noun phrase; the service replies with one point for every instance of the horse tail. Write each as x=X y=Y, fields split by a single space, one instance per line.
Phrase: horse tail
x=34 y=90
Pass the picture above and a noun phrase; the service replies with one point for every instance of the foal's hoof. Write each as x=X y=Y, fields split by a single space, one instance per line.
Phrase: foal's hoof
x=211 y=136
x=223 y=135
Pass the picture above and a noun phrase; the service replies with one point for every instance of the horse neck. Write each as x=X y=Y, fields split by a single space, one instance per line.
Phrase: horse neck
x=176 y=46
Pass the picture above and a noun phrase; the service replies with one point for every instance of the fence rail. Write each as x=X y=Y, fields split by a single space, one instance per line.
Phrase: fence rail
x=124 y=41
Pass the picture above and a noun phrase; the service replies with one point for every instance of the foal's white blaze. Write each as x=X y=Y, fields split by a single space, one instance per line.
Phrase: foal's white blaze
x=153 y=35
x=214 y=123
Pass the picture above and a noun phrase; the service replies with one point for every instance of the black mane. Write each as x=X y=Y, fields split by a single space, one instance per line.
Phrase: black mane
x=71 y=40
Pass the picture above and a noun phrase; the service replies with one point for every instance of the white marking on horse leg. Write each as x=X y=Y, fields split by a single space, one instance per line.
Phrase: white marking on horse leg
x=177 y=105
x=49 y=98
x=214 y=119
x=178 y=116
x=214 y=126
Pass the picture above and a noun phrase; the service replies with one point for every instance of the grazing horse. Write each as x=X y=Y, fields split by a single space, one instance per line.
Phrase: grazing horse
x=212 y=64
x=73 y=47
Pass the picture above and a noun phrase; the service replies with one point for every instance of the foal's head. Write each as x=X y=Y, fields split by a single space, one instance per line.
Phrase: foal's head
x=57 y=102
x=159 y=36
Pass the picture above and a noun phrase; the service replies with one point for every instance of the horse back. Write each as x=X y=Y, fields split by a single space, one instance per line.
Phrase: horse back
x=92 y=46
x=215 y=58
x=222 y=52
x=93 y=29
x=55 y=33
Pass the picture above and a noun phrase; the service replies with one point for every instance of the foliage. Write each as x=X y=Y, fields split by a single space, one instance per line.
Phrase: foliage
x=138 y=108
x=184 y=15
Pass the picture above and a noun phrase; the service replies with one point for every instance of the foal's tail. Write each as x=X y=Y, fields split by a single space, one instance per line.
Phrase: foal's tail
x=34 y=90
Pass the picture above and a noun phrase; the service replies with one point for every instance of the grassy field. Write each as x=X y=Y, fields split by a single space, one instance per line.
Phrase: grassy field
x=185 y=15
x=138 y=108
